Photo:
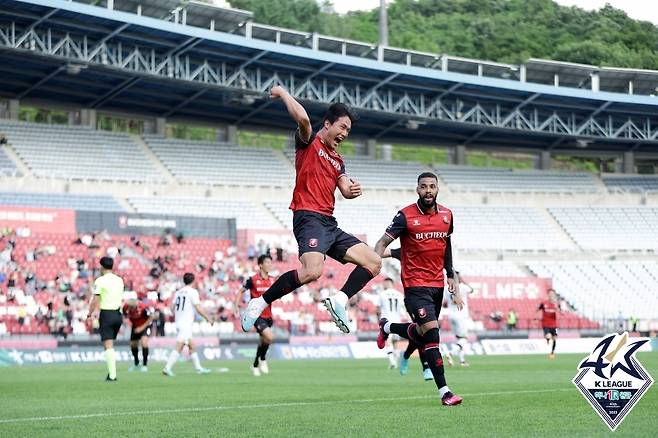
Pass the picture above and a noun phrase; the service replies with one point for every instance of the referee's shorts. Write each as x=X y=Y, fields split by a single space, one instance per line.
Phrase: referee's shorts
x=110 y=322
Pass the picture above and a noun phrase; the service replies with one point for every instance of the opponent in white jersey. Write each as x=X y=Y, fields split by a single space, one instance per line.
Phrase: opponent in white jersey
x=391 y=307
x=460 y=319
x=184 y=304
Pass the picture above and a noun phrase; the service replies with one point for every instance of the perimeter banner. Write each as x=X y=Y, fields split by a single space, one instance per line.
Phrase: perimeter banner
x=498 y=288
x=38 y=220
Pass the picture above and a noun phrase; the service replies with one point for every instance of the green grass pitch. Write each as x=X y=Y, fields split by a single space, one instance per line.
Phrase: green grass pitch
x=503 y=396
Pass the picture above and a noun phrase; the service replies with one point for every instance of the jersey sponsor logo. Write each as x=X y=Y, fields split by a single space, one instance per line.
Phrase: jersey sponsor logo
x=431 y=235
x=323 y=154
x=611 y=378
x=312 y=243
x=445 y=220
x=416 y=222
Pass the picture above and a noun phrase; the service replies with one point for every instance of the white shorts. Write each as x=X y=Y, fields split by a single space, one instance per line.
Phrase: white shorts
x=459 y=327
x=184 y=333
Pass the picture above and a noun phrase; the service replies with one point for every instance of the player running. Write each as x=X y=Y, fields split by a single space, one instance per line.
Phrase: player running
x=391 y=307
x=549 y=310
x=459 y=319
x=141 y=318
x=320 y=170
x=184 y=303
x=424 y=229
x=256 y=286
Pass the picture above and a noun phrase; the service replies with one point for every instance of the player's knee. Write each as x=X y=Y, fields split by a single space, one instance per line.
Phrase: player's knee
x=310 y=273
x=374 y=264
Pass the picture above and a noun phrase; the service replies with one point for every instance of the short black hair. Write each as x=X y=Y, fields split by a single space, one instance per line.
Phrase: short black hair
x=338 y=110
x=262 y=258
x=428 y=175
x=188 y=278
x=389 y=279
x=107 y=262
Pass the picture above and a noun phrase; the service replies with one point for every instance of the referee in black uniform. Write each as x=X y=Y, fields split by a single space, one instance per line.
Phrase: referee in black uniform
x=108 y=294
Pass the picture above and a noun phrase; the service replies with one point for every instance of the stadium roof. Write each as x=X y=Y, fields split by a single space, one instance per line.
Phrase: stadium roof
x=93 y=57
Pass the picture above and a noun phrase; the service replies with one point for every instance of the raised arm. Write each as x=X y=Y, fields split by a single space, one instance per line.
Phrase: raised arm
x=296 y=111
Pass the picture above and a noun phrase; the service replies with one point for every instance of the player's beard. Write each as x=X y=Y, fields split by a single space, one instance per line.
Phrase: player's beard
x=426 y=203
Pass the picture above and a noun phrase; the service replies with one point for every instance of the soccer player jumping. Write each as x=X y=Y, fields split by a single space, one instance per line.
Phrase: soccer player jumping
x=320 y=170
x=424 y=229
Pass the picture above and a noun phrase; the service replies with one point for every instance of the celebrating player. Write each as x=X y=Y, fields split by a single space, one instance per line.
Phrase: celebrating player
x=320 y=170
x=391 y=307
x=141 y=318
x=184 y=303
x=424 y=229
x=108 y=294
x=549 y=310
x=256 y=286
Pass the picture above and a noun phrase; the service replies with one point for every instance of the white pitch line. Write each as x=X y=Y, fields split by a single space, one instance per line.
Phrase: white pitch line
x=262 y=406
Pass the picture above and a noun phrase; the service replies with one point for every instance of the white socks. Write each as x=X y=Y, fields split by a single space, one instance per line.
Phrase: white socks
x=341 y=298
x=443 y=391
x=387 y=328
x=195 y=360
x=392 y=360
x=173 y=357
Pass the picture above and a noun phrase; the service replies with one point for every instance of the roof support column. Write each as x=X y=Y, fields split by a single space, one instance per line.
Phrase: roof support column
x=14 y=109
x=232 y=134
x=629 y=162
x=545 y=160
x=460 y=155
x=596 y=81
x=370 y=148
x=387 y=152
x=88 y=117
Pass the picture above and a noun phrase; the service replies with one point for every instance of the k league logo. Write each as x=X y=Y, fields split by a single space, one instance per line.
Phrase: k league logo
x=611 y=378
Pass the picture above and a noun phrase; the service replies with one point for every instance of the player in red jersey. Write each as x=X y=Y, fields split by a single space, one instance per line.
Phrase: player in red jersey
x=140 y=317
x=549 y=310
x=424 y=229
x=256 y=285
x=320 y=170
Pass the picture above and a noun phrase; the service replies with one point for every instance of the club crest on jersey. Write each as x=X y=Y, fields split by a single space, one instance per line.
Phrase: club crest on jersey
x=445 y=220
x=312 y=243
x=611 y=378
x=422 y=312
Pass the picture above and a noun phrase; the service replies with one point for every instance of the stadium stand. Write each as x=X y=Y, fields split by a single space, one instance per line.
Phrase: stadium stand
x=221 y=163
x=60 y=200
x=247 y=214
x=505 y=228
x=605 y=289
x=489 y=268
x=6 y=165
x=631 y=182
x=610 y=228
x=75 y=152
x=487 y=179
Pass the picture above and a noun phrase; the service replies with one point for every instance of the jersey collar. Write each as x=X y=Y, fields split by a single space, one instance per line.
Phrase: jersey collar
x=420 y=209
